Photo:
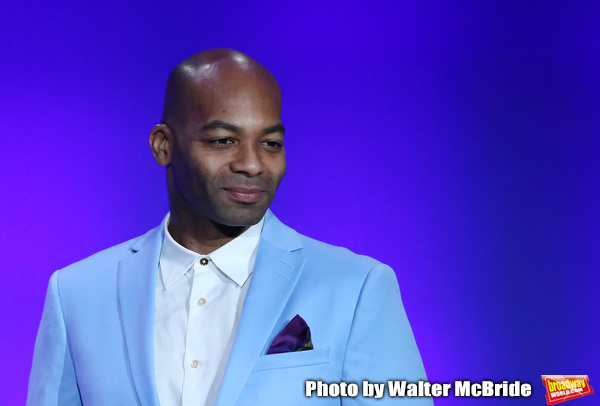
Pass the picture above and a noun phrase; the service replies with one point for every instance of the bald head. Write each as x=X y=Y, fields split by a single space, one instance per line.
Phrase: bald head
x=214 y=74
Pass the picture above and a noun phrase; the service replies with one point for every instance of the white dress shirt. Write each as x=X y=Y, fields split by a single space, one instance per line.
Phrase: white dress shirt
x=198 y=304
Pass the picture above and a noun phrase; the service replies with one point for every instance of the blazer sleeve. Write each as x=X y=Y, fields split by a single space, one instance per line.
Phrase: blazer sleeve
x=381 y=346
x=52 y=380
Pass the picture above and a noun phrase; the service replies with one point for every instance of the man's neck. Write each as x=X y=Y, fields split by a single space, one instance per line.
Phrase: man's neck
x=201 y=235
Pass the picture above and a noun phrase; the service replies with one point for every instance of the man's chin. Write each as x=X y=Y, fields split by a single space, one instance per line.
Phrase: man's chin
x=241 y=217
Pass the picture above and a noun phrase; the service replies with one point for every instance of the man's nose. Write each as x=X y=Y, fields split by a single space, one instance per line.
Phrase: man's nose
x=248 y=160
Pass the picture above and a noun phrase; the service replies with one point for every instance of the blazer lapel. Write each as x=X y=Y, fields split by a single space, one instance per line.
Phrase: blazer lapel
x=136 y=291
x=278 y=264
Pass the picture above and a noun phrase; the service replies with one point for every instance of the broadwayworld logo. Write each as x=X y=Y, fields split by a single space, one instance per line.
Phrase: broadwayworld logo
x=560 y=388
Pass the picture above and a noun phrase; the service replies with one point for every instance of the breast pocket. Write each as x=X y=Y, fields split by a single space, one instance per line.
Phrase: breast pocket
x=293 y=359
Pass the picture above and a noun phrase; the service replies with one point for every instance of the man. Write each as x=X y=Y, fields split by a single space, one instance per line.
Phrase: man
x=222 y=303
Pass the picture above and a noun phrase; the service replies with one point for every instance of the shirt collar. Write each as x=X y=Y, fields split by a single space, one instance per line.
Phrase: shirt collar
x=234 y=259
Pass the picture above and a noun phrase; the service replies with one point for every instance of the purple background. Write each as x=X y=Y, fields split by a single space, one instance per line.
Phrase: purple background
x=457 y=142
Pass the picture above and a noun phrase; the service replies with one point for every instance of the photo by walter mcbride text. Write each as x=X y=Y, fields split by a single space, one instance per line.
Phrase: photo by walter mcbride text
x=221 y=303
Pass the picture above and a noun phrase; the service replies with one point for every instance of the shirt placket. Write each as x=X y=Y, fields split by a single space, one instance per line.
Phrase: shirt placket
x=198 y=358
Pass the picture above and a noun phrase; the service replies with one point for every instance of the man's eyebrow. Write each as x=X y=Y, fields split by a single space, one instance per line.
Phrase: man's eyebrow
x=277 y=128
x=221 y=125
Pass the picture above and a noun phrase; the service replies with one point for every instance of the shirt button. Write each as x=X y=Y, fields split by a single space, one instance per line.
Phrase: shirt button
x=195 y=363
x=203 y=261
x=202 y=302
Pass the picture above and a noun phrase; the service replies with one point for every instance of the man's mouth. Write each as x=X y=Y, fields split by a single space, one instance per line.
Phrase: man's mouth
x=245 y=195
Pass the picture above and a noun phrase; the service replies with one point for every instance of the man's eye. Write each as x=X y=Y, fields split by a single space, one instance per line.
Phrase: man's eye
x=273 y=144
x=222 y=141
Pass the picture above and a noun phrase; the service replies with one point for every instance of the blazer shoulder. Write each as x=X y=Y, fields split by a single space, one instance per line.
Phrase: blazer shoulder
x=322 y=261
x=340 y=261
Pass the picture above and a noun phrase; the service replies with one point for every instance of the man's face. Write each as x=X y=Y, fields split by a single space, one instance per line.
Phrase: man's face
x=227 y=154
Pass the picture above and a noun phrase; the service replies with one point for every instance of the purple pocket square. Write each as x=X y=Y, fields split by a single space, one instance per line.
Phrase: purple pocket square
x=294 y=337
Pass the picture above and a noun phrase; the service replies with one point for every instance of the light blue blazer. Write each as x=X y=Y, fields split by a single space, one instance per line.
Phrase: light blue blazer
x=95 y=341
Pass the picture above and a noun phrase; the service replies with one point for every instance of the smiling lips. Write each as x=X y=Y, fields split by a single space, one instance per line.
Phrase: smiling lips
x=246 y=195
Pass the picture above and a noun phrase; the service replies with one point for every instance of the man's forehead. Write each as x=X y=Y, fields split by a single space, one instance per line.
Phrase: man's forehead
x=243 y=105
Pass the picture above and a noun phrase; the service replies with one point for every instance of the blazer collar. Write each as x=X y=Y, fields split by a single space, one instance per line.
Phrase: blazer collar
x=280 y=235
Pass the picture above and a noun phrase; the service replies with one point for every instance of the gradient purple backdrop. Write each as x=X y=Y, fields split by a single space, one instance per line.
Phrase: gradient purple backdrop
x=456 y=142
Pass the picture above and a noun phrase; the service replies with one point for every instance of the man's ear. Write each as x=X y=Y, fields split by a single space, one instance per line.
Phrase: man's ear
x=160 y=142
